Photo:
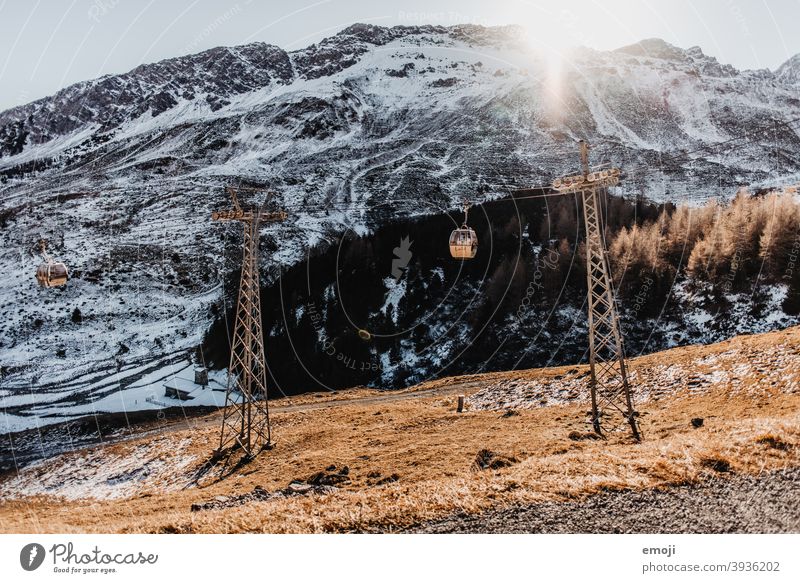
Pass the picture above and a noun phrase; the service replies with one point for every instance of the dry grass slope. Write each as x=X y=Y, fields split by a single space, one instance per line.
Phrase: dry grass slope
x=412 y=458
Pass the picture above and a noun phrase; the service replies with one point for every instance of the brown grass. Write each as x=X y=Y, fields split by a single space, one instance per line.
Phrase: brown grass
x=433 y=450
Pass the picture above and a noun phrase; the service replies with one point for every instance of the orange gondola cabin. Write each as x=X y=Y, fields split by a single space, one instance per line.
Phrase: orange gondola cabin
x=464 y=241
x=51 y=273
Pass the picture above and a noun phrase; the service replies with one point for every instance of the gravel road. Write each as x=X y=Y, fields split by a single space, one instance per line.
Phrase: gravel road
x=769 y=503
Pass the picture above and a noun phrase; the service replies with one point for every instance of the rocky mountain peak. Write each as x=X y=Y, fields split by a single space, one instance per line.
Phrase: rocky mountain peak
x=335 y=53
x=342 y=50
x=693 y=58
x=789 y=72
x=654 y=48
x=379 y=35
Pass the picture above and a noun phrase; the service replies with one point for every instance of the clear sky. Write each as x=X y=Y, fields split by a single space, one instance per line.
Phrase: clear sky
x=48 y=44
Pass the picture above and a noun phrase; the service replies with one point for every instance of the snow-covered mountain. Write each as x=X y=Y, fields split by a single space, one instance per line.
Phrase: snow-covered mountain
x=789 y=72
x=121 y=173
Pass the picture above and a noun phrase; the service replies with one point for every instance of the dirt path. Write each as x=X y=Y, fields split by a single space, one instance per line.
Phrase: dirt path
x=204 y=421
x=769 y=503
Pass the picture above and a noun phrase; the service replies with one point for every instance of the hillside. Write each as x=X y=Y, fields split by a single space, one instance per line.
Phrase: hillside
x=368 y=132
x=366 y=460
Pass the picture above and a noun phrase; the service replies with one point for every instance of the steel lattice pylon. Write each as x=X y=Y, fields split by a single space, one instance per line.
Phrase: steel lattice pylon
x=610 y=390
x=245 y=420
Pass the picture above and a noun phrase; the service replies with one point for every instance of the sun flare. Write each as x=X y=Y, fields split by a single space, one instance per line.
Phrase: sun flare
x=552 y=53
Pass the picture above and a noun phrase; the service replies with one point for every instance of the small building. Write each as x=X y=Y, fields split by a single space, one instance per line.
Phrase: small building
x=178 y=388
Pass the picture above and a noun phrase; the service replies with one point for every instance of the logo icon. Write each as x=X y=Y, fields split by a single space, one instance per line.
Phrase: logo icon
x=31 y=556
x=402 y=257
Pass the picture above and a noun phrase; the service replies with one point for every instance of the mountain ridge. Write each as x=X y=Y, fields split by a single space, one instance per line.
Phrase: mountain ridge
x=328 y=56
x=425 y=118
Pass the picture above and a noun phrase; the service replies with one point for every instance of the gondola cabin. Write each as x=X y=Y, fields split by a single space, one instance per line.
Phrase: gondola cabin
x=463 y=243
x=52 y=274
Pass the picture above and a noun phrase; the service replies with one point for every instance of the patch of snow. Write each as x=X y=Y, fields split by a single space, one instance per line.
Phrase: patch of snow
x=96 y=474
